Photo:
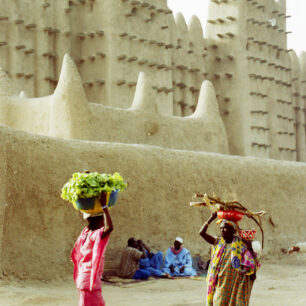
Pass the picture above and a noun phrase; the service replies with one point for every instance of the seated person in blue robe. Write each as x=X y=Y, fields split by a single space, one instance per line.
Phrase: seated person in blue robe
x=152 y=262
x=178 y=261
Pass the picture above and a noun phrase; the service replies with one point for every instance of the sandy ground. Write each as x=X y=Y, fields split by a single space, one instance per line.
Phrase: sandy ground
x=277 y=284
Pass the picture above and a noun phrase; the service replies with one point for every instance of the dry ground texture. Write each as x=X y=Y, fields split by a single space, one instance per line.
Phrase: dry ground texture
x=280 y=283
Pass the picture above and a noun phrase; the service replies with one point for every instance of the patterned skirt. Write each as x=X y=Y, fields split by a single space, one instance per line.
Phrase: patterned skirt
x=233 y=288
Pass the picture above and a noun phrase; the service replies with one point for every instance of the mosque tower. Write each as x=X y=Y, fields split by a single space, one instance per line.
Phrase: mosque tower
x=252 y=70
x=260 y=84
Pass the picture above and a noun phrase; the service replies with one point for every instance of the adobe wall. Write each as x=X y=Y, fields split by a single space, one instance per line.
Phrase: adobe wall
x=244 y=55
x=3 y=169
x=298 y=99
x=39 y=229
x=68 y=114
x=111 y=42
x=255 y=88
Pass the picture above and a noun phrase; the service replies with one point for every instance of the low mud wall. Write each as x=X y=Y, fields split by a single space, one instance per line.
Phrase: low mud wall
x=38 y=229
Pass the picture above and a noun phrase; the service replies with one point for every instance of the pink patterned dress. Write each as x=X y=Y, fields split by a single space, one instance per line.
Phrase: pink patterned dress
x=88 y=258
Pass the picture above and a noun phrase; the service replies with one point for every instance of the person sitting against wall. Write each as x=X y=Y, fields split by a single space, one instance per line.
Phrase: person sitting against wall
x=178 y=261
x=137 y=261
x=153 y=262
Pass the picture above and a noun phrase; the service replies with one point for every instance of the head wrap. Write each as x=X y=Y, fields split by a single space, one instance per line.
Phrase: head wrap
x=179 y=239
x=230 y=223
x=86 y=216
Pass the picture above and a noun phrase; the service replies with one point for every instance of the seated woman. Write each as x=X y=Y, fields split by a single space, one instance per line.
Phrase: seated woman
x=178 y=260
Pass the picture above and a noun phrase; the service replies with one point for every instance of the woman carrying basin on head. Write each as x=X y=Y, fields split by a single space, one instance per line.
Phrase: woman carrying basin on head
x=88 y=257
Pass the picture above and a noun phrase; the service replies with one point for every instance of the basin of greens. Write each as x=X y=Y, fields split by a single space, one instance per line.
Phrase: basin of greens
x=86 y=188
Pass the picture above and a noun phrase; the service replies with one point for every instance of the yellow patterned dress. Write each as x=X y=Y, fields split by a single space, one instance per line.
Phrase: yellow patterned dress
x=228 y=278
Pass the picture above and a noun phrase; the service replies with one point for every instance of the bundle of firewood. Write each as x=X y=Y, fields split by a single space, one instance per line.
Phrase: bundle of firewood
x=215 y=204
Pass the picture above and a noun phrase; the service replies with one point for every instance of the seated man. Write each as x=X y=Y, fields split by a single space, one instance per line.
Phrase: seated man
x=153 y=262
x=129 y=265
x=178 y=260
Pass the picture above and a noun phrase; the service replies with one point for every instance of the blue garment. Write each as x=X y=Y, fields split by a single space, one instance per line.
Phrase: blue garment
x=141 y=274
x=177 y=261
x=152 y=265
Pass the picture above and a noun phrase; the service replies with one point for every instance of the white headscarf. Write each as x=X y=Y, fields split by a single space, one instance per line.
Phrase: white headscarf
x=86 y=216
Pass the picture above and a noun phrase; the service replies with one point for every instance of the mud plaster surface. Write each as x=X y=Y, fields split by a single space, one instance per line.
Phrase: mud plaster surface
x=38 y=229
x=281 y=283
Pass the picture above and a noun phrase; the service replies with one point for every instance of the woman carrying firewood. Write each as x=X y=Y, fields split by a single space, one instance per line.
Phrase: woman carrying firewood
x=233 y=266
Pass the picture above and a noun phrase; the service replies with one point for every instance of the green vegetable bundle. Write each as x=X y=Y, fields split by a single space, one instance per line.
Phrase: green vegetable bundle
x=88 y=185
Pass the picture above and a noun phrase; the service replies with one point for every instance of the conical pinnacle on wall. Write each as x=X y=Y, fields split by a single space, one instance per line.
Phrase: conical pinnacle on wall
x=70 y=112
x=181 y=23
x=207 y=111
x=195 y=27
x=207 y=104
x=144 y=98
x=70 y=82
x=6 y=85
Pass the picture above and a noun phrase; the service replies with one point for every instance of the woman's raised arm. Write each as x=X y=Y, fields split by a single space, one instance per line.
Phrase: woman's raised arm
x=210 y=239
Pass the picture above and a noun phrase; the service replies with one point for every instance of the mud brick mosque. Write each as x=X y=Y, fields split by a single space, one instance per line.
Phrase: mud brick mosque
x=124 y=85
x=260 y=85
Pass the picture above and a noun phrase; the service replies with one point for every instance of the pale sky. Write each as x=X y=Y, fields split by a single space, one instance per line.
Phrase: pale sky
x=295 y=8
